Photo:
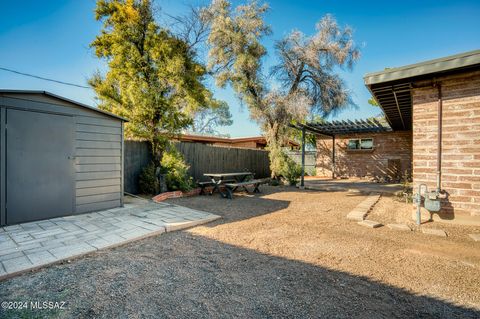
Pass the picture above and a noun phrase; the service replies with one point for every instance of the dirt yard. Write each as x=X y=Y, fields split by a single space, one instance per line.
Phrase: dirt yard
x=283 y=253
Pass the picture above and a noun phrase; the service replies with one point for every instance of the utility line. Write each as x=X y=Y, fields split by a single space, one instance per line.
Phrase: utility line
x=45 y=79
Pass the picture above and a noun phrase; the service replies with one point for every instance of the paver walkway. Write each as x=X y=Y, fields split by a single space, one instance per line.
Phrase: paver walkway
x=35 y=244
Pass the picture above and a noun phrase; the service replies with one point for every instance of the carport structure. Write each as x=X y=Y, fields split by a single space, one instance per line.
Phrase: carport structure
x=335 y=128
x=58 y=157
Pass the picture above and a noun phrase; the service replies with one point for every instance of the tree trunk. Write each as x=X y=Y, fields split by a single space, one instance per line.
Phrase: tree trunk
x=157 y=154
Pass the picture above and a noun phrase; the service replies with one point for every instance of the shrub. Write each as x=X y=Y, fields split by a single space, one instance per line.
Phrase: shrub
x=407 y=186
x=312 y=171
x=176 y=170
x=278 y=160
x=274 y=182
x=148 y=181
x=291 y=171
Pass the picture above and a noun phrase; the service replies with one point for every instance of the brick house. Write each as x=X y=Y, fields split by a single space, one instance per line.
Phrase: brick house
x=433 y=133
x=378 y=156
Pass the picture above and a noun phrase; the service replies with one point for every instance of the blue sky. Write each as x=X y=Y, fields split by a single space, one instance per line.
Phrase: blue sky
x=51 y=39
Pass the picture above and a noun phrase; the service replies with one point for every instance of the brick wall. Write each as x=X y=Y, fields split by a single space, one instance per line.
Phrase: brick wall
x=365 y=163
x=460 y=140
x=248 y=144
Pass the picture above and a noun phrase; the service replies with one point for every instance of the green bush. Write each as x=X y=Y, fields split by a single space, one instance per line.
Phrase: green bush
x=291 y=171
x=148 y=182
x=274 y=182
x=176 y=170
x=312 y=171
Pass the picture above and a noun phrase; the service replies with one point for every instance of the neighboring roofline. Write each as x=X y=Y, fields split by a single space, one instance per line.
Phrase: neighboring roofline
x=430 y=67
x=7 y=91
x=259 y=139
x=205 y=138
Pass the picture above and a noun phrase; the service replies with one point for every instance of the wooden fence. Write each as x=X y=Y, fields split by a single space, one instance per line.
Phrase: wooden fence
x=214 y=159
x=137 y=155
x=201 y=158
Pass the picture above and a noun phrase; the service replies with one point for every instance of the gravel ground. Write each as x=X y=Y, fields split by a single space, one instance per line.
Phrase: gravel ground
x=393 y=210
x=283 y=253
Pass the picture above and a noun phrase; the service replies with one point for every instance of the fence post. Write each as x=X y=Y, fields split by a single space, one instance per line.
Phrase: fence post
x=333 y=157
x=302 y=184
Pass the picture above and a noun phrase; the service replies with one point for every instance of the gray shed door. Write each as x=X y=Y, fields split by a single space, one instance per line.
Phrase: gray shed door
x=40 y=169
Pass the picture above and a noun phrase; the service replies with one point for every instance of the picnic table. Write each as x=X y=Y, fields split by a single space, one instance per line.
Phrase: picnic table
x=218 y=179
x=231 y=181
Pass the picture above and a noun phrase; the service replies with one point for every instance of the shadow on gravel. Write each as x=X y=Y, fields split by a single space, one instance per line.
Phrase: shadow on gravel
x=243 y=206
x=181 y=275
x=387 y=189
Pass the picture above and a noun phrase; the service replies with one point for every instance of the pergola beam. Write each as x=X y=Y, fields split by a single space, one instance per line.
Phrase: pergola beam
x=343 y=127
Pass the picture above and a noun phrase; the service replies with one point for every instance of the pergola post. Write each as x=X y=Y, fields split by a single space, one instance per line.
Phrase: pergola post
x=302 y=181
x=333 y=157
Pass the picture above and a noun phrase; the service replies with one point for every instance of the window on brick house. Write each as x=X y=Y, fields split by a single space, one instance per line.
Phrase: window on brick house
x=360 y=144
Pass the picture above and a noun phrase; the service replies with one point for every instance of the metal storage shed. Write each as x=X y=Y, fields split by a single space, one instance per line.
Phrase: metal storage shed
x=57 y=157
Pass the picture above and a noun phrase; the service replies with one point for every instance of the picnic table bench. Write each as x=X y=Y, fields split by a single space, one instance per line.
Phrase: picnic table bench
x=204 y=185
x=231 y=181
x=231 y=187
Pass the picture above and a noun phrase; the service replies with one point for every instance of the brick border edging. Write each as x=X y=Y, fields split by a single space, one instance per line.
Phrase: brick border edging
x=176 y=194
x=165 y=229
x=179 y=194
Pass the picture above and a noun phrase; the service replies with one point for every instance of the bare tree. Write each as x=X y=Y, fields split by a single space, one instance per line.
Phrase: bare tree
x=307 y=64
x=207 y=121
x=191 y=27
x=306 y=70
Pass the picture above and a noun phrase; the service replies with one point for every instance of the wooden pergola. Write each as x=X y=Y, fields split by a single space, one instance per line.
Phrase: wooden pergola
x=334 y=128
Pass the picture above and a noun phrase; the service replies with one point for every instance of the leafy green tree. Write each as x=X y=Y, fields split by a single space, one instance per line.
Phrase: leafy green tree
x=152 y=77
x=372 y=101
x=305 y=69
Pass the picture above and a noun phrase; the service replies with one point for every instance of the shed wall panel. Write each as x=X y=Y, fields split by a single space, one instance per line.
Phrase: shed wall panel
x=98 y=206
x=98 y=149
x=98 y=163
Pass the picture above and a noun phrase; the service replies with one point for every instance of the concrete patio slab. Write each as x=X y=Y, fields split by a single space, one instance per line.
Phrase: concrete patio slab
x=33 y=245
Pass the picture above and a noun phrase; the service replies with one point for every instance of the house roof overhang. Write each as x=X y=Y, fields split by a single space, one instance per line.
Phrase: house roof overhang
x=392 y=87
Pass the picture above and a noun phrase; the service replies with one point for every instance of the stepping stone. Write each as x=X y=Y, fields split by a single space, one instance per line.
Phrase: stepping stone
x=403 y=227
x=434 y=232
x=370 y=223
x=362 y=209
x=357 y=214
x=475 y=237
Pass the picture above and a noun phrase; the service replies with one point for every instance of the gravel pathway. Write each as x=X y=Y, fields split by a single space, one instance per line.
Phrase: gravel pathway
x=283 y=253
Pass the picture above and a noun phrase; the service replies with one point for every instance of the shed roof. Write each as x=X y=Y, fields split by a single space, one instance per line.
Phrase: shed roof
x=392 y=87
x=8 y=91
x=344 y=127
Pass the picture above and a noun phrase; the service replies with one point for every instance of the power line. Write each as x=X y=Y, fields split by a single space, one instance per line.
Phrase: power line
x=45 y=79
